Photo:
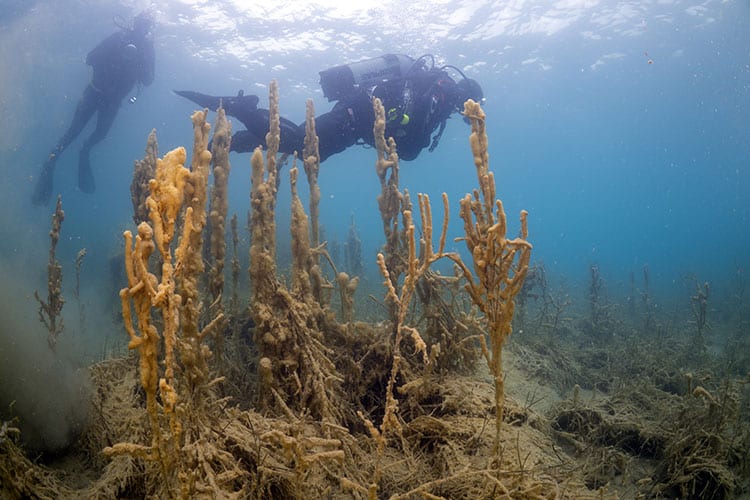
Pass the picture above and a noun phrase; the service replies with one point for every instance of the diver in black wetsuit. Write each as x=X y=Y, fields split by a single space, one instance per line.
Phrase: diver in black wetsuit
x=119 y=62
x=418 y=98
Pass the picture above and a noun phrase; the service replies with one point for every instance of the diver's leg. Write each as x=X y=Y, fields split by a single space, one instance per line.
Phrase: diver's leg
x=244 y=141
x=104 y=120
x=45 y=181
x=292 y=136
x=84 y=111
x=258 y=123
x=343 y=126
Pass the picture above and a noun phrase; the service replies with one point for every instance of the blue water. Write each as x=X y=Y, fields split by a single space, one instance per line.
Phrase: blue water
x=622 y=127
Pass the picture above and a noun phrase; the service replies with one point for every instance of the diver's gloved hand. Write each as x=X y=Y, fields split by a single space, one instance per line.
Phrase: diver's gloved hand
x=44 y=183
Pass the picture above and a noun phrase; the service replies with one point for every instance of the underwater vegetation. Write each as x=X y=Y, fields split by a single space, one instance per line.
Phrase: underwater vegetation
x=291 y=396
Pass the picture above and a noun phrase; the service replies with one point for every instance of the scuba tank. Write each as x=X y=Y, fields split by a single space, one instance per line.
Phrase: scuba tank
x=340 y=81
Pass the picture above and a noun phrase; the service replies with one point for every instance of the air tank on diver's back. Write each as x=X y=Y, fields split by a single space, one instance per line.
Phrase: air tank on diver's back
x=340 y=81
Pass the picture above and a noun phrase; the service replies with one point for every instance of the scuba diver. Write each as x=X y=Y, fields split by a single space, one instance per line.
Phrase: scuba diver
x=418 y=97
x=119 y=62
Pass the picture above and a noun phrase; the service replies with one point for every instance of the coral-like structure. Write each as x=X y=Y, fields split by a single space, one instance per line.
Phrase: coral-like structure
x=500 y=264
x=296 y=415
x=219 y=205
x=50 y=311
x=295 y=366
x=194 y=353
x=145 y=290
x=175 y=451
x=234 y=301
x=391 y=201
x=415 y=268
x=353 y=250
x=143 y=171
x=77 y=292
x=311 y=162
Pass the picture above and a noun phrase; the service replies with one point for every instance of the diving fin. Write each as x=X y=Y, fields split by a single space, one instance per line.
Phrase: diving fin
x=44 y=183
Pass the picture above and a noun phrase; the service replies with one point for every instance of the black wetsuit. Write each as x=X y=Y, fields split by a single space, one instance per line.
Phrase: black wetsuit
x=426 y=97
x=118 y=62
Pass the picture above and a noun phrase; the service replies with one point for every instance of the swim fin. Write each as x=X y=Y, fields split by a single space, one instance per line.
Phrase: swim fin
x=45 y=182
x=244 y=141
x=256 y=121
x=240 y=103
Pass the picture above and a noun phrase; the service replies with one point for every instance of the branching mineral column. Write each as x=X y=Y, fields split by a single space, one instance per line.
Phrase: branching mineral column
x=301 y=254
x=347 y=287
x=235 y=300
x=699 y=305
x=168 y=191
x=391 y=201
x=400 y=257
x=141 y=288
x=145 y=290
x=263 y=205
x=416 y=268
x=194 y=354
x=353 y=250
x=184 y=389
x=144 y=170
x=295 y=369
x=219 y=205
x=311 y=162
x=500 y=264
x=50 y=312
x=77 y=292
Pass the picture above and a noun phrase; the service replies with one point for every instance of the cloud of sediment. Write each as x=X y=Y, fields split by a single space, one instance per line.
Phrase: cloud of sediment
x=42 y=391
